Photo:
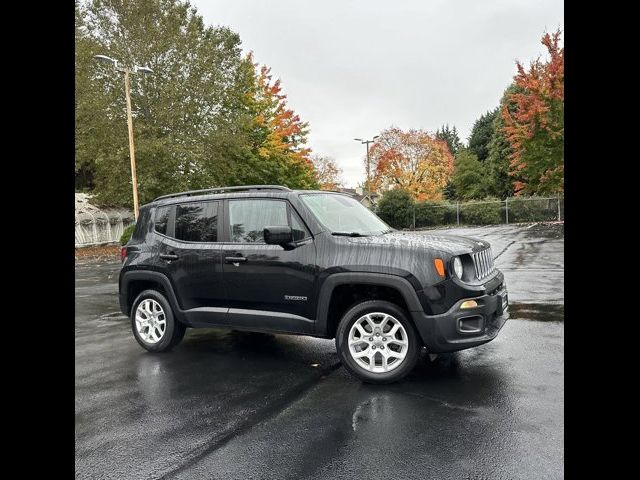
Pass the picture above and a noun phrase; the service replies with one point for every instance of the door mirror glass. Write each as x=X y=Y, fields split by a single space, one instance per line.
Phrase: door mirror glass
x=278 y=235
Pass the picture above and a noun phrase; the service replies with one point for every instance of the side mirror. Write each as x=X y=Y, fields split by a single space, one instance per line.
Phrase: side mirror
x=280 y=235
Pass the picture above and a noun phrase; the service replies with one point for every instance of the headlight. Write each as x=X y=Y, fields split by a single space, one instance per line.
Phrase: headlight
x=457 y=267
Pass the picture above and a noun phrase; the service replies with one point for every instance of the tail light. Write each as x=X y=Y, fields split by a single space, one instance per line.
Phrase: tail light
x=123 y=254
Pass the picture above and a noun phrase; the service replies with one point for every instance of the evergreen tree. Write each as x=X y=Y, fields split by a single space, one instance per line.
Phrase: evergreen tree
x=449 y=191
x=481 y=134
x=500 y=183
x=451 y=137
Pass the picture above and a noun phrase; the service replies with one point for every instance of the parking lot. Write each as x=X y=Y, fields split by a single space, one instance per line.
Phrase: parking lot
x=230 y=405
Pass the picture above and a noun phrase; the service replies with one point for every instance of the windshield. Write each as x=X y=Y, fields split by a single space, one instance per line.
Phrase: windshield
x=343 y=214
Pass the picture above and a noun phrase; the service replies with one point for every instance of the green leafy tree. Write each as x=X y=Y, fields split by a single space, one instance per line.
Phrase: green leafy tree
x=450 y=135
x=469 y=176
x=92 y=129
x=481 y=134
x=202 y=119
x=396 y=208
x=190 y=122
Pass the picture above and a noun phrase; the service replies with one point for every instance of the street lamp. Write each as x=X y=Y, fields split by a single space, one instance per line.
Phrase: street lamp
x=367 y=142
x=127 y=91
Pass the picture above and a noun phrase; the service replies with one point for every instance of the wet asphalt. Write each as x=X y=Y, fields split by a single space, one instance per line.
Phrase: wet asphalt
x=229 y=405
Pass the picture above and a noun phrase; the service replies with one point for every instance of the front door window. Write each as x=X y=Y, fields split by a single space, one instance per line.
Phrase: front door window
x=247 y=219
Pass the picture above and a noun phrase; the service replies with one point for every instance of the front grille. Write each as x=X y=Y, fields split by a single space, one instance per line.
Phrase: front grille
x=483 y=262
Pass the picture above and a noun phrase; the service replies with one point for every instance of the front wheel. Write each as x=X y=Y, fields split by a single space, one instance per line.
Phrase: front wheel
x=376 y=342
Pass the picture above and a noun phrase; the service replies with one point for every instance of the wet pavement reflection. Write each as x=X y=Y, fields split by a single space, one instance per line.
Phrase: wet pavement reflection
x=231 y=405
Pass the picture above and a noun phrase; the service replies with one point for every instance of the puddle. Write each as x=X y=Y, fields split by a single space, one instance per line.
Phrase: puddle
x=540 y=312
x=545 y=230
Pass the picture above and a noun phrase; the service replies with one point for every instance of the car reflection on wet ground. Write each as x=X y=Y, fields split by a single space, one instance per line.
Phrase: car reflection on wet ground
x=241 y=405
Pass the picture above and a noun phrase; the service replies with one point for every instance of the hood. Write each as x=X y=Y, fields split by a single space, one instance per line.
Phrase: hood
x=451 y=244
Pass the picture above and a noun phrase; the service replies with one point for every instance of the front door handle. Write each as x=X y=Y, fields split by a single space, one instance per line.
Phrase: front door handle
x=235 y=259
x=169 y=256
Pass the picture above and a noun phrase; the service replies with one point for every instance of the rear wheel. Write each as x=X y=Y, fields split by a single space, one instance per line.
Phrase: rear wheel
x=153 y=323
x=376 y=342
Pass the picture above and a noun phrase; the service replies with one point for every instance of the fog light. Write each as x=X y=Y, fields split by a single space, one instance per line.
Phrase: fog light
x=469 y=304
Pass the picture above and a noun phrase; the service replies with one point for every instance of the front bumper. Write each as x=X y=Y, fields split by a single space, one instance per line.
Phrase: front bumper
x=458 y=329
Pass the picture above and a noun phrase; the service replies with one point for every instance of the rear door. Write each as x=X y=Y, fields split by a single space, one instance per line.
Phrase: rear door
x=192 y=257
x=267 y=286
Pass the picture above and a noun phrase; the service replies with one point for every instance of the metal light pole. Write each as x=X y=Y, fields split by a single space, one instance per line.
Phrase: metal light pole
x=127 y=91
x=367 y=142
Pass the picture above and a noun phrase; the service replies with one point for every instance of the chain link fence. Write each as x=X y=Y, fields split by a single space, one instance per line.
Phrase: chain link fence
x=488 y=212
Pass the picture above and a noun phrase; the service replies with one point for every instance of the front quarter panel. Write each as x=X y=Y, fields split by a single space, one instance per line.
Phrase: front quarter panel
x=345 y=254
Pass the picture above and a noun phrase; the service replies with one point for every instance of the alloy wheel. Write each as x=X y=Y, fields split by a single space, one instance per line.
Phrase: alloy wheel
x=151 y=321
x=378 y=342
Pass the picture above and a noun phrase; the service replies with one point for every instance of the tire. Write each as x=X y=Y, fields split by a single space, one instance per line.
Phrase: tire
x=384 y=316
x=153 y=305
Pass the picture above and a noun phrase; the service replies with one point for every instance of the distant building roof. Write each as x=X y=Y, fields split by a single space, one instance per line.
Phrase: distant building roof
x=359 y=195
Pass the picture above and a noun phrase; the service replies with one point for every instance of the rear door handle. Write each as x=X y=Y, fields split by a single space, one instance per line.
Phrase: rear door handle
x=235 y=259
x=169 y=256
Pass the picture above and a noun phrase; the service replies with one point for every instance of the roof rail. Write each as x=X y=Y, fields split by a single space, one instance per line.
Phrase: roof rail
x=238 y=188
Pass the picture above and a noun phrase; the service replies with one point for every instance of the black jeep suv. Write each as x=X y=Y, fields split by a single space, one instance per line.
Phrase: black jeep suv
x=270 y=259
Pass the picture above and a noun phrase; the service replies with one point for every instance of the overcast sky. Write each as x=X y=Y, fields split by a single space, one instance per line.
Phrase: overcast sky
x=354 y=67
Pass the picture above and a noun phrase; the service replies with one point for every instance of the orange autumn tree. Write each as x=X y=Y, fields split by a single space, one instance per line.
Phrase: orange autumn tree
x=534 y=122
x=414 y=161
x=280 y=136
x=327 y=172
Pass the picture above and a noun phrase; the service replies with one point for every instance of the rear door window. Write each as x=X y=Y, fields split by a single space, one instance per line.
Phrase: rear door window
x=197 y=222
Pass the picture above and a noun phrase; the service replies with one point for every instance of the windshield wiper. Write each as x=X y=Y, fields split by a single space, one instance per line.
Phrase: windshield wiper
x=348 y=234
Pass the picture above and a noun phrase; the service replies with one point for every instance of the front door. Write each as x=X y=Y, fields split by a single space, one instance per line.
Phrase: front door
x=267 y=286
x=192 y=257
